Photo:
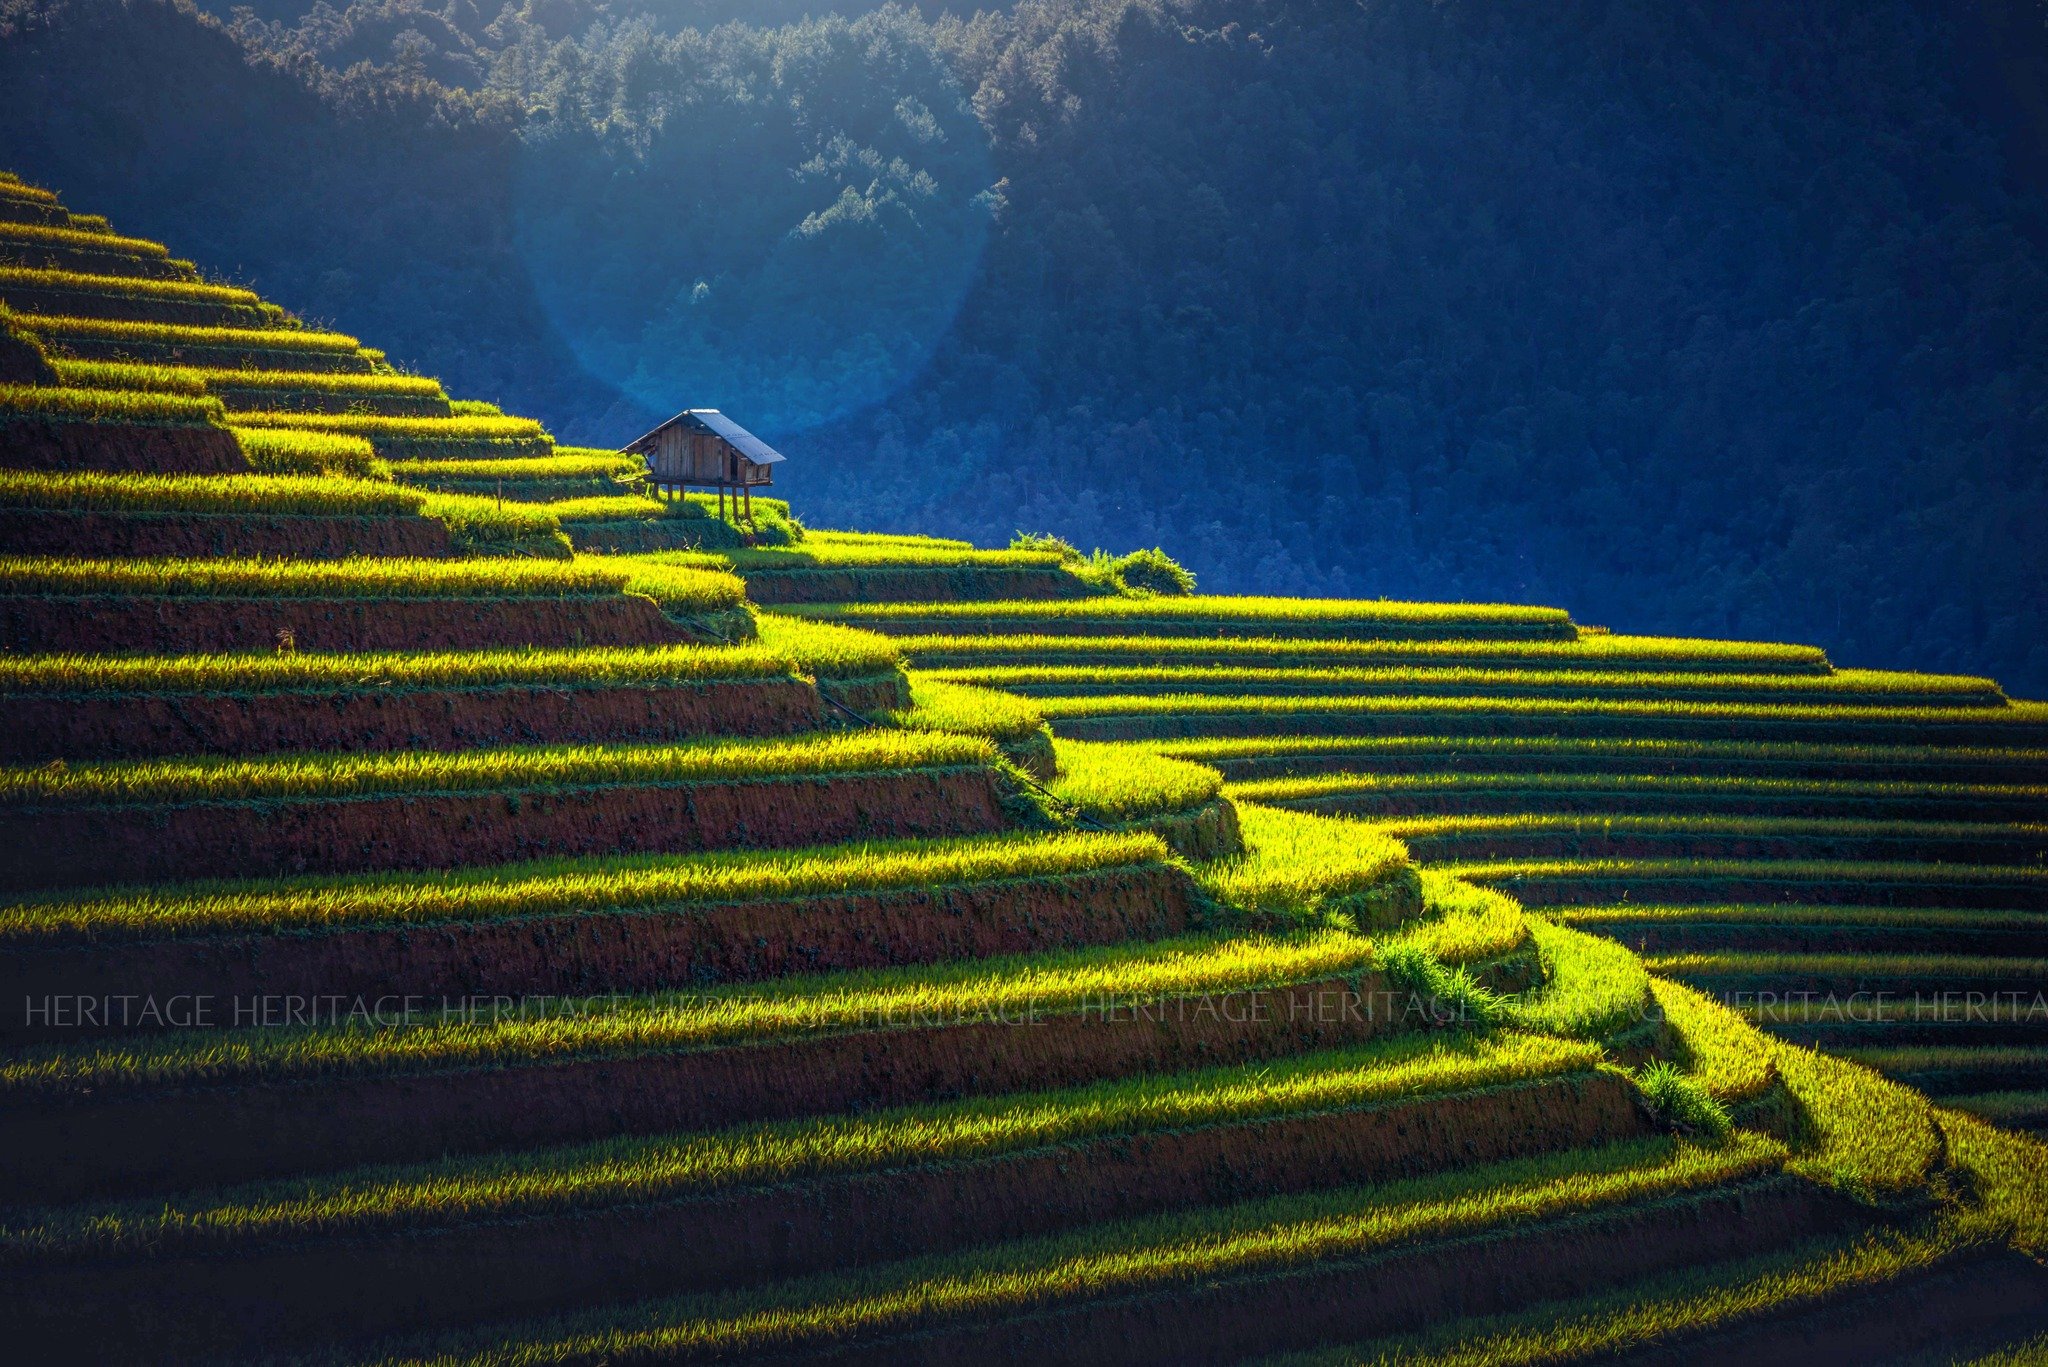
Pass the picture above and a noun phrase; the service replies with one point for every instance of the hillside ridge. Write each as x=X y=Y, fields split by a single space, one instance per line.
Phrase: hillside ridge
x=456 y=907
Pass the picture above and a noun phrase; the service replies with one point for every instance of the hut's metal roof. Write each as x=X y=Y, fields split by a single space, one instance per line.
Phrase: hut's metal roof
x=712 y=421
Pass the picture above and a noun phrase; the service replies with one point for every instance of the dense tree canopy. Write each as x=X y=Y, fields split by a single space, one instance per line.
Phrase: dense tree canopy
x=1699 y=317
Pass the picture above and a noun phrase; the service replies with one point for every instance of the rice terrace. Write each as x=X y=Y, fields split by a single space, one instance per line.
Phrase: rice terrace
x=466 y=898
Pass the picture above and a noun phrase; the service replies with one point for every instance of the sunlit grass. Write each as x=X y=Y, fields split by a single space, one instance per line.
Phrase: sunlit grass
x=1599 y=653
x=175 y=335
x=1562 y=785
x=367 y=578
x=106 y=405
x=283 y=452
x=1118 y=783
x=228 y=779
x=2024 y=717
x=265 y=494
x=1105 y=677
x=1010 y=988
x=572 y=886
x=1128 y=1258
x=1197 y=609
x=81 y=282
x=374 y=426
x=1306 y=867
x=670 y=1167
x=937 y=706
x=177 y=379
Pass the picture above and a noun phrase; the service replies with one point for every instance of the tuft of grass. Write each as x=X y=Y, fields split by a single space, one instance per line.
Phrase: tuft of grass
x=1721 y=1051
x=1682 y=1102
x=1870 y=1137
x=1412 y=968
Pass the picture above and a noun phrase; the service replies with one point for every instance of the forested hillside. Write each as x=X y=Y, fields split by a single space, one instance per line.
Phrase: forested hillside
x=1725 y=318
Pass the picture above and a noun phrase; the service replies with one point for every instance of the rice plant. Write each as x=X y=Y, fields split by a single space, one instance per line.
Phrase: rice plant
x=1116 y=783
x=281 y=451
x=273 y=495
x=104 y=405
x=578 y=886
x=1310 y=869
x=305 y=579
x=667 y=1167
x=170 y=379
x=345 y=775
x=174 y=335
x=1304 y=610
x=374 y=426
x=80 y=282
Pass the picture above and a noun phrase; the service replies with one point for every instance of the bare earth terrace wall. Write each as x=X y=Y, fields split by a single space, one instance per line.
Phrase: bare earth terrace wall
x=70 y=847
x=119 y=448
x=1985 y=726
x=140 y=725
x=186 y=625
x=125 y=307
x=216 y=357
x=1984 y=844
x=1410 y=1287
x=115 y=1142
x=629 y=951
x=417 y=1279
x=107 y=535
x=1963 y=890
x=58 y=256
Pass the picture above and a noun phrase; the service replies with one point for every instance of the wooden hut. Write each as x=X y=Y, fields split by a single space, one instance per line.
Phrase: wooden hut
x=701 y=448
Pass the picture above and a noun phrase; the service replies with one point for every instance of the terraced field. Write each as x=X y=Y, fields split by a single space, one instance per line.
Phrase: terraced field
x=1851 y=857
x=423 y=939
